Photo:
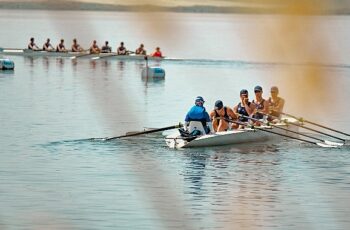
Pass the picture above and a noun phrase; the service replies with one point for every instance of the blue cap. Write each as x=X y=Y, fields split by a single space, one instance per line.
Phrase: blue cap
x=258 y=88
x=219 y=104
x=199 y=99
x=243 y=91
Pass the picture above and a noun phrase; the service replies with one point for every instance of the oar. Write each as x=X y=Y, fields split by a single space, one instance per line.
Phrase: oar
x=106 y=56
x=280 y=134
x=291 y=131
x=145 y=132
x=313 y=123
x=81 y=55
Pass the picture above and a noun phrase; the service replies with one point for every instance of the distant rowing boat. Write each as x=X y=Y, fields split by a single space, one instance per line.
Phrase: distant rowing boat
x=31 y=53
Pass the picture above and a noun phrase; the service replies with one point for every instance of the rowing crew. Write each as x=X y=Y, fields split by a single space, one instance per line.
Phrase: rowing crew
x=94 y=48
x=219 y=118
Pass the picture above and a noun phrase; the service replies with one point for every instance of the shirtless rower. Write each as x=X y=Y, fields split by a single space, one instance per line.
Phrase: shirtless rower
x=76 y=47
x=140 y=50
x=122 y=50
x=32 y=45
x=47 y=46
x=94 y=49
x=276 y=103
x=60 y=47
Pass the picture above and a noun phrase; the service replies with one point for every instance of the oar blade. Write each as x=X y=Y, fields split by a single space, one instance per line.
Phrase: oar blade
x=333 y=143
x=95 y=58
x=324 y=145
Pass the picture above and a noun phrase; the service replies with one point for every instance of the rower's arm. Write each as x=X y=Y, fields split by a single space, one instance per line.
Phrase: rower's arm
x=249 y=108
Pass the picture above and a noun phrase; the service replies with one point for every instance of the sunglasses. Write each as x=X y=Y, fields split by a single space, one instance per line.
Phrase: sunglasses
x=257 y=91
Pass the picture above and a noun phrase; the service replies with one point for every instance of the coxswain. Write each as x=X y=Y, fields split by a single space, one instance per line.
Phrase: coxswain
x=221 y=116
x=157 y=53
x=32 y=45
x=47 y=46
x=140 y=50
x=94 y=49
x=106 y=48
x=60 y=47
x=76 y=47
x=198 y=113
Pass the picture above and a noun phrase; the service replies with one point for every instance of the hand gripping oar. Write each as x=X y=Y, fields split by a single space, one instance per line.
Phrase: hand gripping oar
x=295 y=132
x=281 y=134
x=315 y=124
x=145 y=132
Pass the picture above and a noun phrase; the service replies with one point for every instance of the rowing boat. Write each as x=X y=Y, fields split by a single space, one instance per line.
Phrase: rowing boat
x=31 y=53
x=231 y=137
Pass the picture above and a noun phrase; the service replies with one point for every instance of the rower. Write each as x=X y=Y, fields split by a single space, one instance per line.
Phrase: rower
x=32 y=45
x=245 y=107
x=106 y=48
x=122 y=50
x=261 y=105
x=76 y=47
x=198 y=118
x=47 y=46
x=220 y=116
x=157 y=53
x=60 y=47
x=140 y=50
x=94 y=49
x=276 y=103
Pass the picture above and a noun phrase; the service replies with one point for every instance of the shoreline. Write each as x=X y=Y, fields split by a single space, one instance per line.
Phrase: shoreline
x=78 y=6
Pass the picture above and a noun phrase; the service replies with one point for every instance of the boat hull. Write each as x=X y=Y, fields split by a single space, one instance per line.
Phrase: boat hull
x=83 y=55
x=232 y=137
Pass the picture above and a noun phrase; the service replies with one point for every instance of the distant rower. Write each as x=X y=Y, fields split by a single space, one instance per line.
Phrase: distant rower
x=47 y=46
x=106 y=48
x=122 y=50
x=76 y=47
x=32 y=45
x=94 y=49
x=140 y=50
x=157 y=53
x=60 y=47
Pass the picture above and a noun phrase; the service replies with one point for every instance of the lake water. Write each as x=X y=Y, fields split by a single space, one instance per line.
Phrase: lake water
x=51 y=177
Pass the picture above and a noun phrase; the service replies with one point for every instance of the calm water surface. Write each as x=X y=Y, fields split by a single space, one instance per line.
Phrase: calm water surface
x=51 y=177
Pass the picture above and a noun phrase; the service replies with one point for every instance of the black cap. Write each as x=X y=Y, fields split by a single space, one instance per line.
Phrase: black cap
x=258 y=88
x=243 y=91
x=219 y=104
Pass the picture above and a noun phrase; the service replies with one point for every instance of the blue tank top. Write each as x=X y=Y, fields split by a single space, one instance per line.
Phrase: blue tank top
x=241 y=110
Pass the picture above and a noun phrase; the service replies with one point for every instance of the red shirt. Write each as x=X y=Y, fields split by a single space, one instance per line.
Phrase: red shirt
x=157 y=54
